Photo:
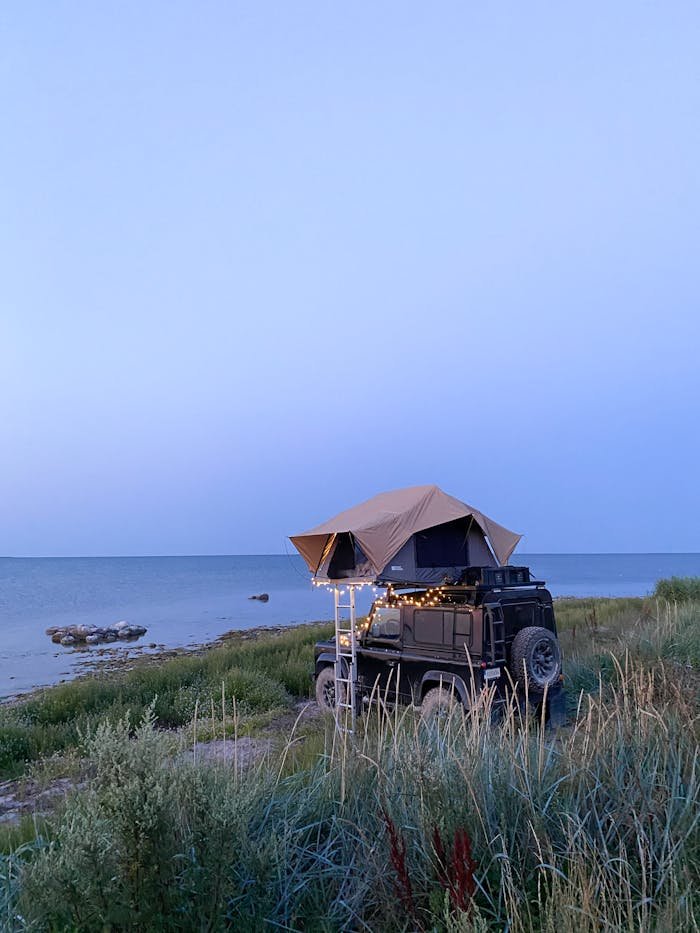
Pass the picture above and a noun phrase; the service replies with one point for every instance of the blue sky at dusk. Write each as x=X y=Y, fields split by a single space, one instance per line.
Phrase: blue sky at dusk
x=261 y=261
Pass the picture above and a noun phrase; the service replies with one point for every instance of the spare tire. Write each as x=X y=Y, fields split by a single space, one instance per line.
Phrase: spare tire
x=535 y=654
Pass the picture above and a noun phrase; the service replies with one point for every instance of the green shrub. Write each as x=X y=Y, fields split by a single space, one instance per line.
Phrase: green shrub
x=678 y=589
x=15 y=746
x=174 y=707
x=253 y=690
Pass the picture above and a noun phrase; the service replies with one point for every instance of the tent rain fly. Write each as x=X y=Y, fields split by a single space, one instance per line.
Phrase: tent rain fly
x=418 y=535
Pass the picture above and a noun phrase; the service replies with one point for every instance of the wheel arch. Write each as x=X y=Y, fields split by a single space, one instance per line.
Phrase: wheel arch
x=327 y=659
x=447 y=680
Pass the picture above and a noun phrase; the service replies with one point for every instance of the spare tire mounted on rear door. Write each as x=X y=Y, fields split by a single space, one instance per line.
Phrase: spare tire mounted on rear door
x=536 y=650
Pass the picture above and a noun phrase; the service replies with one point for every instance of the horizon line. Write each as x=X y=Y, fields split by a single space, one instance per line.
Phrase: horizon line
x=295 y=555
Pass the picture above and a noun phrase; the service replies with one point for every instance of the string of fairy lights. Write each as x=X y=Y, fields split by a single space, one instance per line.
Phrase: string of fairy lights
x=433 y=596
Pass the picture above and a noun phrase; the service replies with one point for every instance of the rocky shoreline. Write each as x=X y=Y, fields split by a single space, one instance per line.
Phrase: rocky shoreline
x=108 y=658
x=93 y=634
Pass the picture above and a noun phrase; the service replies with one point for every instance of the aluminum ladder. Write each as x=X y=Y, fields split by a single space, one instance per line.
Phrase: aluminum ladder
x=345 y=661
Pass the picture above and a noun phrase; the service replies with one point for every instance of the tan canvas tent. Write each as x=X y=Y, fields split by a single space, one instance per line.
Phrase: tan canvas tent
x=415 y=535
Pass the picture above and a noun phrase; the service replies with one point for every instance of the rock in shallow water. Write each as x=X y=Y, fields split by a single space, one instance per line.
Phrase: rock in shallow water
x=93 y=634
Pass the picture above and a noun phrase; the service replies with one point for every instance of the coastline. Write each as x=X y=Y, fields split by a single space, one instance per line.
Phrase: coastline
x=108 y=661
x=189 y=601
x=90 y=661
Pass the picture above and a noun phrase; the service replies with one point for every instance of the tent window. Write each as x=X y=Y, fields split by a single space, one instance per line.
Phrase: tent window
x=348 y=559
x=444 y=545
x=427 y=626
x=343 y=560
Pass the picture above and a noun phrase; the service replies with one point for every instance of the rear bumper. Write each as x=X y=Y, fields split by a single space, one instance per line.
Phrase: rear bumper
x=555 y=699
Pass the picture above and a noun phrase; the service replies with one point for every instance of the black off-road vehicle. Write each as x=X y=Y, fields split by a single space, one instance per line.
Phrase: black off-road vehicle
x=439 y=647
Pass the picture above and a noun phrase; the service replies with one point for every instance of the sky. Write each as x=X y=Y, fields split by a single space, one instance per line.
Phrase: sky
x=260 y=261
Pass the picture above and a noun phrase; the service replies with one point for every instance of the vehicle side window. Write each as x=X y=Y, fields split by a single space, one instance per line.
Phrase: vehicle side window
x=477 y=637
x=427 y=626
x=548 y=617
x=521 y=615
x=526 y=615
x=448 y=625
x=385 y=624
x=463 y=629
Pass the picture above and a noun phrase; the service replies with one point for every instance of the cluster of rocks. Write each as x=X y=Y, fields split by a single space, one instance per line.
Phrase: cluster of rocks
x=93 y=634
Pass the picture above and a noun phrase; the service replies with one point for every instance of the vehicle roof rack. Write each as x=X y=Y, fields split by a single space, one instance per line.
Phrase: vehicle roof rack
x=472 y=578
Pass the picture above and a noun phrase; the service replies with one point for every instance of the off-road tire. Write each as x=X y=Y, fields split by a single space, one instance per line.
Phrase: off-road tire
x=325 y=689
x=438 y=703
x=536 y=656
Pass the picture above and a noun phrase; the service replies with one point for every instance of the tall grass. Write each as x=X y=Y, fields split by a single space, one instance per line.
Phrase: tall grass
x=591 y=617
x=462 y=826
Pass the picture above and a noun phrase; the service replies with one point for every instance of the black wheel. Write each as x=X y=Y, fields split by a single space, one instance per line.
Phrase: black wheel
x=438 y=704
x=536 y=655
x=325 y=689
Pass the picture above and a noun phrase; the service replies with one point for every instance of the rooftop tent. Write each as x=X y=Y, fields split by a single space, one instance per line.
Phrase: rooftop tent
x=415 y=535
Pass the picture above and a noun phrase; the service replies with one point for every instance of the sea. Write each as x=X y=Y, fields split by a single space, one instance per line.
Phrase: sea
x=192 y=600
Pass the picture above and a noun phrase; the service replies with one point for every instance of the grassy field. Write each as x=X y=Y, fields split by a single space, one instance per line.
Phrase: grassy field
x=257 y=677
x=466 y=827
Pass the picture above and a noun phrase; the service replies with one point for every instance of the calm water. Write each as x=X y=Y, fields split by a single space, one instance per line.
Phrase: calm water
x=182 y=600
